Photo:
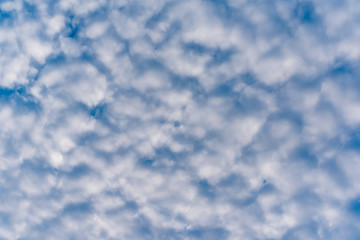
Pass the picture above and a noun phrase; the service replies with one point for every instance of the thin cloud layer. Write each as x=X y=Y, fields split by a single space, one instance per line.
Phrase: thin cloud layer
x=171 y=119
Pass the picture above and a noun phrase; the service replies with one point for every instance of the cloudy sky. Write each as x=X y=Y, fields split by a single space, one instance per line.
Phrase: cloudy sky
x=179 y=119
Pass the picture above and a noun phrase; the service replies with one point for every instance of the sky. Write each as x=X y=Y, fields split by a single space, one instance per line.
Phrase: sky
x=179 y=119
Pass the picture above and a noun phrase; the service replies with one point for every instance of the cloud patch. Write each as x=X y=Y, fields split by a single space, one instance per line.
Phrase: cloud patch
x=179 y=120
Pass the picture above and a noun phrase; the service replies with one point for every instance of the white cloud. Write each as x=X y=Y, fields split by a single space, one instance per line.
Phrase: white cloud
x=97 y=29
x=165 y=119
x=80 y=82
x=55 y=24
x=38 y=49
x=345 y=101
x=81 y=7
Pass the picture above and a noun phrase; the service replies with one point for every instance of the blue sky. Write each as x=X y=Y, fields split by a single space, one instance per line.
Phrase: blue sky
x=169 y=119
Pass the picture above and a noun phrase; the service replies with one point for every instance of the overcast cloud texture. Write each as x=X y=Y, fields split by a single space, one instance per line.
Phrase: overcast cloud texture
x=180 y=119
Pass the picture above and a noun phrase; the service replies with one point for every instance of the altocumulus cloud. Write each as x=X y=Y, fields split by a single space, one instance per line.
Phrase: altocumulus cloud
x=169 y=119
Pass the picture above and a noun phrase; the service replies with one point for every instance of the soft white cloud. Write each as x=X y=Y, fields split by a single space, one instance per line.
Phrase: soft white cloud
x=65 y=81
x=55 y=24
x=81 y=7
x=179 y=119
x=96 y=29
x=345 y=101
